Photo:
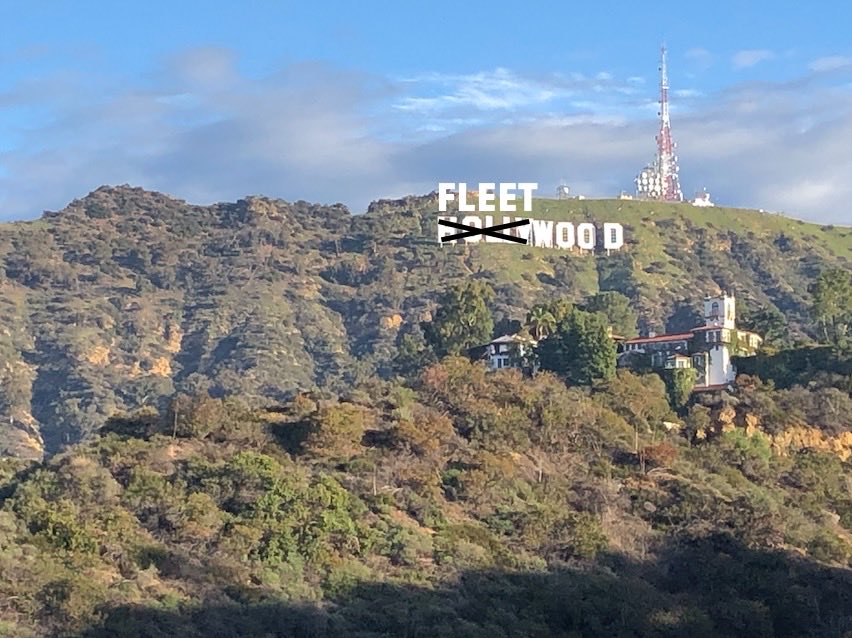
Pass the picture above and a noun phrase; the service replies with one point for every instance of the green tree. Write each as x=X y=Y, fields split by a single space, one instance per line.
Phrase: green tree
x=685 y=316
x=616 y=308
x=580 y=350
x=463 y=319
x=413 y=354
x=698 y=422
x=679 y=384
x=638 y=398
x=768 y=322
x=832 y=307
x=336 y=430
x=540 y=321
x=560 y=309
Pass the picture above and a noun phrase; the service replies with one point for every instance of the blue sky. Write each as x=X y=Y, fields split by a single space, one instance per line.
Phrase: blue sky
x=346 y=101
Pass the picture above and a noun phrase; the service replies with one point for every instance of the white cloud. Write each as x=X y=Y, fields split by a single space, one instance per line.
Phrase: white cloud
x=205 y=133
x=750 y=57
x=434 y=94
x=830 y=63
x=492 y=90
x=687 y=93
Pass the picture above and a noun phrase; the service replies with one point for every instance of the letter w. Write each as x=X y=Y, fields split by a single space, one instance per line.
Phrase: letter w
x=542 y=232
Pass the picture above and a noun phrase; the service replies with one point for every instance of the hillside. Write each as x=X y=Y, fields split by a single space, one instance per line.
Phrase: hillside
x=464 y=504
x=126 y=296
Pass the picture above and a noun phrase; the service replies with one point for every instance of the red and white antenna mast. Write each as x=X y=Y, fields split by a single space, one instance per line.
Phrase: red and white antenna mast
x=666 y=159
x=659 y=180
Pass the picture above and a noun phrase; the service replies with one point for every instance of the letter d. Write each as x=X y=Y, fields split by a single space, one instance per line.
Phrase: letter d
x=613 y=236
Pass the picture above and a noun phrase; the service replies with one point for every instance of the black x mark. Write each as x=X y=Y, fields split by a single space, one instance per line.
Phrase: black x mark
x=491 y=231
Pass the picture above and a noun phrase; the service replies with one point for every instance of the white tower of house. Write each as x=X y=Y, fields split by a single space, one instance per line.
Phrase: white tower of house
x=720 y=333
x=712 y=347
x=721 y=312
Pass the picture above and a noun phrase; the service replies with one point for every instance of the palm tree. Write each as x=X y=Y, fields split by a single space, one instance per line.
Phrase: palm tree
x=541 y=322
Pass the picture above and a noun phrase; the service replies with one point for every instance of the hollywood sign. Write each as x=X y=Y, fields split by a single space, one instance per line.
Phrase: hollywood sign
x=541 y=233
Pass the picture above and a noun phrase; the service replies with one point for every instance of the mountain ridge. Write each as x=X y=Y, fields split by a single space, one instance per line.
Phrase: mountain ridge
x=126 y=296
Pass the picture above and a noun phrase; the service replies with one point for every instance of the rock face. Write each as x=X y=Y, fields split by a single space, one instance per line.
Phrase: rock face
x=127 y=296
x=798 y=438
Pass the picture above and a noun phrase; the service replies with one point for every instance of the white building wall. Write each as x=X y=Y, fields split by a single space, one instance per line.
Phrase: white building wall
x=720 y=370
x=497 y=359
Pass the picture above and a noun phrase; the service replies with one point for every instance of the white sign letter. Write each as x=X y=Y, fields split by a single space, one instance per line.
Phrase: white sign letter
x=506 y=197
x=528 y=188
x=464 y=207
x=489 y=221
x=564 y=235
x=443 y=231
x=542 y=233
x=613 y=236
x=521 y=231
x=586 y=236
x=486 y=194
x=470 y=220
x=444 y=195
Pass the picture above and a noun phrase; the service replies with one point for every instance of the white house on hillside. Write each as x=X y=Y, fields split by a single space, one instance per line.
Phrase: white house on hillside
x=708 y=348
x=508 y=351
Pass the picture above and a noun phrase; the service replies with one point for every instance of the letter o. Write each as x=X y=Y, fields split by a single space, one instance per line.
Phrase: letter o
x=564 y=235
x=586 y=236
x=470 y=220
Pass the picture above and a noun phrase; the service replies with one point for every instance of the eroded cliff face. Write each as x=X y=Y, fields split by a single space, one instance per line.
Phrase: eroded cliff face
x=793 y=438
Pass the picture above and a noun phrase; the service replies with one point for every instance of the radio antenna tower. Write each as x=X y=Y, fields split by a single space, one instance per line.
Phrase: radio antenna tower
x=665 y=145
x=660 y=180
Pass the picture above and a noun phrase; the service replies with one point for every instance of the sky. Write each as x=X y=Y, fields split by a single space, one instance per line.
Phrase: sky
x=341 y=101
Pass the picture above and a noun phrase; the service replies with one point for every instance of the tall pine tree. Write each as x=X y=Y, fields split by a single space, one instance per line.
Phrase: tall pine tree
x=580 y=350
x=463 y=319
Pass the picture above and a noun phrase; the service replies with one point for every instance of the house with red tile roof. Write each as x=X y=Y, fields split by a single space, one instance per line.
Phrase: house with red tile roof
x=709 y=348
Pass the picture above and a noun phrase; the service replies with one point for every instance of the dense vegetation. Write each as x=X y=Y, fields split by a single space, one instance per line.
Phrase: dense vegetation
x=465 y=503
x=126 y=297
x=275 y=428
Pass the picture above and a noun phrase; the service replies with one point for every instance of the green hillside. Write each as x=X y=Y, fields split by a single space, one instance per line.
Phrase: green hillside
x=232 y=420
x=127 y=296
x=463 y=504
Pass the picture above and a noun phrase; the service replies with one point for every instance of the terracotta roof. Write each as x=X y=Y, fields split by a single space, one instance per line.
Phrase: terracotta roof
x=681 y=336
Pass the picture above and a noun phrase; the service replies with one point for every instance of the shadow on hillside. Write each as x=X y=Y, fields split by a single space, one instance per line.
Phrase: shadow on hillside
x=712 y=588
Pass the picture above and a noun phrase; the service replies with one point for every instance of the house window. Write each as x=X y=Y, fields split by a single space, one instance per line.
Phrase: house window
x=613 y=236
x=714 y=309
